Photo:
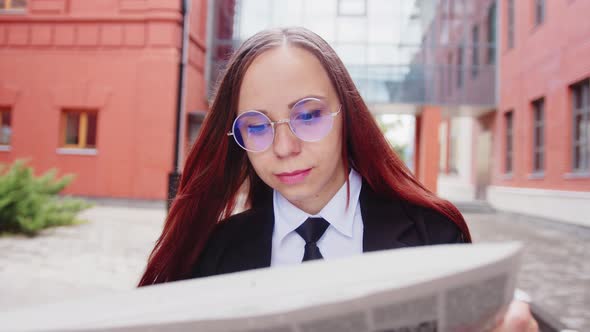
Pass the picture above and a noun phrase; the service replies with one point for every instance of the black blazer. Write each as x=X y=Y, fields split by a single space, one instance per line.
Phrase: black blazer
x=244 y=241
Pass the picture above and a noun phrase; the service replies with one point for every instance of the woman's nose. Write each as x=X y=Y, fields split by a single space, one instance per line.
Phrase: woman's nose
x=285 y=142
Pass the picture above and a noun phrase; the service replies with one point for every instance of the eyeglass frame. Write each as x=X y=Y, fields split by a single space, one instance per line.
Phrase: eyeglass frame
x=278 y=122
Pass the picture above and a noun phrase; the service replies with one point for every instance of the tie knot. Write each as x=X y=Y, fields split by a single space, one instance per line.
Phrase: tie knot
x=312 y=229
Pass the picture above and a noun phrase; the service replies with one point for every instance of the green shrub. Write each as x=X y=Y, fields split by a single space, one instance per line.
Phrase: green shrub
x=30 y=203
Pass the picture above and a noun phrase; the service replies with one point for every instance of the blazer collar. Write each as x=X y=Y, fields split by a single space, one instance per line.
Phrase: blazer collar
x=251 y=243
x=387 y=225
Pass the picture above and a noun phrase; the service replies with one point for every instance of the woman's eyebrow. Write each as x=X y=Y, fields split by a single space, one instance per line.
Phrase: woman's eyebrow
x=291 y=104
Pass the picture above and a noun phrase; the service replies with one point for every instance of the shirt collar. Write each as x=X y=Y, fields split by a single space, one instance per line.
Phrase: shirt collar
x=288 y=217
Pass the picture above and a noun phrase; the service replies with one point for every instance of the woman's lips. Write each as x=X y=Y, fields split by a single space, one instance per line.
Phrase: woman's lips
x=293 y=177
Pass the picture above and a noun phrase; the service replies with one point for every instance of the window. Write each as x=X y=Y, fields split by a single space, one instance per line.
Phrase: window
x=491 y=23
x=539 y=12
x=474 y=51
x=449 y=74
x=510 y=29
x=460 y=52
x=509 y=142
x=79 y=129
x=13 y=4
x=538 y=135
x=352 y=7
x=581 y=130
x=5 y=126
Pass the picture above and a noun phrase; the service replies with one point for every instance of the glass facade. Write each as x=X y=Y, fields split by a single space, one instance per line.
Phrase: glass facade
x=398 y=52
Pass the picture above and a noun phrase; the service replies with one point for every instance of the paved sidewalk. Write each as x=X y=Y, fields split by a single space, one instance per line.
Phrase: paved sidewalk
x=106 y=254
x=556 y=262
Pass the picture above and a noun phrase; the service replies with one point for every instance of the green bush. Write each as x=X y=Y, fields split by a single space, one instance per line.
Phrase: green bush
x=30 y=203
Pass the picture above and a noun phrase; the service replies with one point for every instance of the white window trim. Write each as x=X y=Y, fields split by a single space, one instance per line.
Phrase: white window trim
x=77 y=151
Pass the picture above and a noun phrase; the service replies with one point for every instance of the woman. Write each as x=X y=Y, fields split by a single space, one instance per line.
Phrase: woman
x=289 y=127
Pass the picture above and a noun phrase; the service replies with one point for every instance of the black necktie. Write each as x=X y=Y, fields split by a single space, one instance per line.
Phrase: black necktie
x=311 y=231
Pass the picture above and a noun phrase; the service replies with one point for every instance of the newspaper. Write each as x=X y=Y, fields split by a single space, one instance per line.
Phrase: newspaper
x=436 y=288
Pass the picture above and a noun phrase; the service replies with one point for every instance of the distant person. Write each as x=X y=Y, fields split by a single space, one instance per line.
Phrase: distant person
x=288 y=128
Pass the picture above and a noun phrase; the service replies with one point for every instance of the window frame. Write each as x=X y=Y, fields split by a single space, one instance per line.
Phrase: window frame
x=582 y=87
x=82 y=129
x=538 y=108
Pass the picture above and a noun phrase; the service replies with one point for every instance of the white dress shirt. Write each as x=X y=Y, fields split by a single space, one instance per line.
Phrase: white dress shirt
x=344 y=236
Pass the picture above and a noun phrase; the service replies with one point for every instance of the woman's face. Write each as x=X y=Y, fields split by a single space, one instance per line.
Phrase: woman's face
x=308 y=174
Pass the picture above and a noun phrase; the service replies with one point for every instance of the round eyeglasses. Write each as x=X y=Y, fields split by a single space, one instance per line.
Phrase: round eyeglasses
x=310 y=120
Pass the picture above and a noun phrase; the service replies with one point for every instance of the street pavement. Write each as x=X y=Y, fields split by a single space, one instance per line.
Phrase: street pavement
x=555 y=269
x=109 y=252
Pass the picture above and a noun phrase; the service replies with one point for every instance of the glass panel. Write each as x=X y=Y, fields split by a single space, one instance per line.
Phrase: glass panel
x=491 y=23
x=460 y=66
x=72 y=128
x=474 y=51
x=352 y=7
x=540 y=11
x=91 y=131
x=508 y=141
x=577 y=127
x=586 y=94
x=6 y=118
x=510 y=23
x=6 y=130
x=577 y=159
x=19 y=4
x=577 y=98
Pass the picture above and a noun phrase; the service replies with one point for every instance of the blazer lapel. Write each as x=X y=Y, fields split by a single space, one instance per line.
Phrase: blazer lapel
x=386 y=223
x=251 y=248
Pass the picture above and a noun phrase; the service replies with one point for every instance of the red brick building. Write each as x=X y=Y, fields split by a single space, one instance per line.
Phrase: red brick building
x=529 y=153
x=91 y=87
x=541 y=130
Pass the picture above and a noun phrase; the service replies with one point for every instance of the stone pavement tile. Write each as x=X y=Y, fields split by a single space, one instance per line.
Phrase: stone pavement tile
x=556 y=261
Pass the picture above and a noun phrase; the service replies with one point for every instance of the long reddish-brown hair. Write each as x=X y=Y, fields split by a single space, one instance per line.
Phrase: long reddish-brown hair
x=216 y=168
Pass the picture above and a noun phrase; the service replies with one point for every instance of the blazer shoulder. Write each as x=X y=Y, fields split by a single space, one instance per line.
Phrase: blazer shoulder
x=223 y=235
x=436 y=227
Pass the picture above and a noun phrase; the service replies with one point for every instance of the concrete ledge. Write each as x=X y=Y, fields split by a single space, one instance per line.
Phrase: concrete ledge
x=566 y=206
x=158 y=204
x=455 y=188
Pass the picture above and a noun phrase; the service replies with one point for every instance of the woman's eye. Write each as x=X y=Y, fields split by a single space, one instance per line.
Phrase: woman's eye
x=308 y=116
x=258 y=128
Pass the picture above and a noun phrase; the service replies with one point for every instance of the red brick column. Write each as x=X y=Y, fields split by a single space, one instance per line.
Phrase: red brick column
x=427 y=146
